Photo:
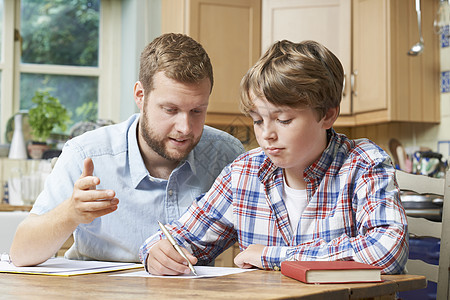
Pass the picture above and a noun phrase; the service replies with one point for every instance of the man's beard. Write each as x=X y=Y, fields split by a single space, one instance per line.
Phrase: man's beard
x=157 y=144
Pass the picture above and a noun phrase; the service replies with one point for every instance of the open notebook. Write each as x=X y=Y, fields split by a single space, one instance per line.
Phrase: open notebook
x=64 y=267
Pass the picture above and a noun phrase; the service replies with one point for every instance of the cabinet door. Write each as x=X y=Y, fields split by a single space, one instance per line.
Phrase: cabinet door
x=230 y=32
x=325 y=21
x=370 y=52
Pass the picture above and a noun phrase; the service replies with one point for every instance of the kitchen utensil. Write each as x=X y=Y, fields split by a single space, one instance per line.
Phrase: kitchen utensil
x=430 y=163
x=398 y=154
x=393 y=144
x=402 y=158
x=419 y=46
x=422 y=206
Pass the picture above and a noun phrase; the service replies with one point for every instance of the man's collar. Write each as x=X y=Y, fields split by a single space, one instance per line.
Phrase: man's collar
x=138 y=171
x=190 y=159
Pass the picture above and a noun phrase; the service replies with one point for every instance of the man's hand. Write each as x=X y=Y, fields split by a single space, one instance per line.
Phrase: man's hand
x=47 y=232
x=250 y=257
x=163 y=259
x=88 y=203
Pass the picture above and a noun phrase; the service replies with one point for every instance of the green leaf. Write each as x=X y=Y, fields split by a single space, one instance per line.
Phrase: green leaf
x=46 y=115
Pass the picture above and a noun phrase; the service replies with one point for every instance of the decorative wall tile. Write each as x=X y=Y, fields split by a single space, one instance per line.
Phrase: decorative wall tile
x=445 y=36
x=443 y=147
x=445 y=82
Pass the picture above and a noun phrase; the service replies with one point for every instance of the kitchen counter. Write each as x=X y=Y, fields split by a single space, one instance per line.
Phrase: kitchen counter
x=8 y=207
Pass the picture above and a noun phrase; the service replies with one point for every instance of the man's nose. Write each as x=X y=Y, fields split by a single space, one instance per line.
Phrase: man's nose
x=183 y=123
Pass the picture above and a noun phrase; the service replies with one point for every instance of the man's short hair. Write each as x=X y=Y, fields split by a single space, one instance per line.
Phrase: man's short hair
x=178 y=56
x=296 y=75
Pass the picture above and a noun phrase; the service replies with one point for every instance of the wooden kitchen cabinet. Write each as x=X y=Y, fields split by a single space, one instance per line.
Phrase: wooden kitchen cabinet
x=388 y=84
x=324 y=21
x=369 y=75
x=371 y=38
x=230 y=31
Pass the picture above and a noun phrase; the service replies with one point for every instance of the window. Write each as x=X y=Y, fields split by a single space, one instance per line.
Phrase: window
x=64 y=33
x=64 y=47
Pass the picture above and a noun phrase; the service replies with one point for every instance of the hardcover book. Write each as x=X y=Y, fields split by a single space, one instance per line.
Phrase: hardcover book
x=331 y=271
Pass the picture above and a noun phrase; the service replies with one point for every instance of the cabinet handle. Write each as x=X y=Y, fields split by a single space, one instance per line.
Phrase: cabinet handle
x=353 y=83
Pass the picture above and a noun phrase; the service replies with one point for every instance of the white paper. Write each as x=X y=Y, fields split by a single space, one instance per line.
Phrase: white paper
x=202 y=271
x=66 y=267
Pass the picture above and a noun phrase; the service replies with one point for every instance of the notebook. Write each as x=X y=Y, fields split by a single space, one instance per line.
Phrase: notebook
x=64 y=267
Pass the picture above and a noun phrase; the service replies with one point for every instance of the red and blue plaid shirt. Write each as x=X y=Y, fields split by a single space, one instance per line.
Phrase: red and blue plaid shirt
x=353 y=211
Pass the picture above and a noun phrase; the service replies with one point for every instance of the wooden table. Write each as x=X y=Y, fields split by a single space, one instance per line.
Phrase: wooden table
x=249 y=285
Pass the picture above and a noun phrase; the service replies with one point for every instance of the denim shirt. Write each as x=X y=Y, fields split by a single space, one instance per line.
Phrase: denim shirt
x=143 y=199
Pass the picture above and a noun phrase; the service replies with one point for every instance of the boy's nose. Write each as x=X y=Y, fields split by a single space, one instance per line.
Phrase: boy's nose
x=268 y=133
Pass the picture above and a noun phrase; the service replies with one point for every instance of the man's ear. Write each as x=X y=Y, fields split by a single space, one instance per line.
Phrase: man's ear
x=139 y=95
x=330 y=117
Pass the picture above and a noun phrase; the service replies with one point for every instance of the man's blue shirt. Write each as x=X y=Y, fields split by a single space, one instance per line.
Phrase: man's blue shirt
x=143 y=200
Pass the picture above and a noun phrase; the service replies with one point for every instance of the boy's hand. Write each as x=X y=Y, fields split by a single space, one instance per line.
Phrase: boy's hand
x=84 y=203
x=250 y=257
x=163 y=259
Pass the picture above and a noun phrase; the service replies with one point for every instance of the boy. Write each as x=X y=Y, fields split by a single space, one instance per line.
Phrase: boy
x=308 y=193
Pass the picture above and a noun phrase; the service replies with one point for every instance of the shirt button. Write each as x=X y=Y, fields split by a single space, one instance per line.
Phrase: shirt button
x=170 y=192
x=276 y=268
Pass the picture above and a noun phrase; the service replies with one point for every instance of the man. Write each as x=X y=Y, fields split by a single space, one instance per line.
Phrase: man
x=157 y=162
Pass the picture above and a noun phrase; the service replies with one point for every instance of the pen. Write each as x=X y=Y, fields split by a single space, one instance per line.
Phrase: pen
x=175 y=245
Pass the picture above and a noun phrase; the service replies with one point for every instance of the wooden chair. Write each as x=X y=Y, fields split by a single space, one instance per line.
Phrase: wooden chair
x=421 y=227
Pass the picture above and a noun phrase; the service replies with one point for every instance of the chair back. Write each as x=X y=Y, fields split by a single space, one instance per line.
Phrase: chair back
x=420 y=227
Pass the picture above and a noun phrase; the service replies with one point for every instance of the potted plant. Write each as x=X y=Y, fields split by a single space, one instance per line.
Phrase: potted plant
x=44 y=117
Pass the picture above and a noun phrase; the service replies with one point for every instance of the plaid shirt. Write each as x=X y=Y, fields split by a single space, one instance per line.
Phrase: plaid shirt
x=353 y=212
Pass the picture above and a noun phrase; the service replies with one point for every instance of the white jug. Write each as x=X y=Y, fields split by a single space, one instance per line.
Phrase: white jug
x=18 y=150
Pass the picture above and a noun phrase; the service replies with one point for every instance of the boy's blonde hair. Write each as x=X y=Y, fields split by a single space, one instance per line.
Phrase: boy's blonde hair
x=296 y=75
x=179 y=56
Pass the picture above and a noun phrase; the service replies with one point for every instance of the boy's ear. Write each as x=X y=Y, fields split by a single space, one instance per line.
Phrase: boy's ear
x=139 y=95
x=330 y=117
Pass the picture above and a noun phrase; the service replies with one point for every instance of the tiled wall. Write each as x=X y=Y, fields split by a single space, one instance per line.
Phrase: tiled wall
x=430 y=137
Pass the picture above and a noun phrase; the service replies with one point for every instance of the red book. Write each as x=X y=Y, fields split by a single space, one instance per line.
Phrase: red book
x=331 y=271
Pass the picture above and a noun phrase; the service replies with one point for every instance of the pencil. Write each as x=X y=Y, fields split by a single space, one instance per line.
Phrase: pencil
x=175 y=245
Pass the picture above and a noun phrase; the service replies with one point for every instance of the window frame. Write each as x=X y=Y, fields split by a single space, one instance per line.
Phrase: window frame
x=107 y=72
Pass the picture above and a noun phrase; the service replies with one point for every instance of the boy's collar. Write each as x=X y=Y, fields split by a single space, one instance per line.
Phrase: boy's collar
x=320 y=167
x=267 y=168
x=330 y=133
